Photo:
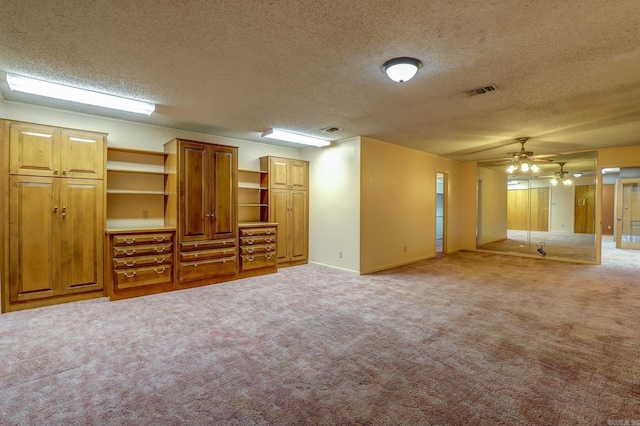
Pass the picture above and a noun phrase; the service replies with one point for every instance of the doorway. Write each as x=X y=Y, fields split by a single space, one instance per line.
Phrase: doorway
x=628 y=212
x=441 y=203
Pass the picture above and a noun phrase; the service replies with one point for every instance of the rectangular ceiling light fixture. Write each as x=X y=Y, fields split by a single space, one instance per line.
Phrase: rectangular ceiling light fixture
x=53 y=90
x=281 y=135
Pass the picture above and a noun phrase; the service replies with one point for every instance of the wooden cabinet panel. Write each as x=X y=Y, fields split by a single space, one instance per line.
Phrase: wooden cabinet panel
x=278 y=173
x=194 y=199
x=298 y=225
x=81 y=220
x=34 y=243
x=258 y=249
x=82 y=154
x=141 y=277
x=298 y=174
x=34 y=150
x=224 y=203
x=279 y=213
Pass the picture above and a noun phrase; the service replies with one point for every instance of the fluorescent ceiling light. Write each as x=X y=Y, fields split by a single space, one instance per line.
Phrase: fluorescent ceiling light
x=294 y=137
x=74 y=94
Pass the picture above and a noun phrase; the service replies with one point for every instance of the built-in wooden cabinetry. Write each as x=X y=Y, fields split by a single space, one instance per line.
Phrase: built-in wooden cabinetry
x=288 y=182
x=53 y=222
x=140 y=262
x=201 y=203
x=258 y=242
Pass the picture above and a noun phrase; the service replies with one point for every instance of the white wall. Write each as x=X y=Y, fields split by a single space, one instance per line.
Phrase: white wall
x=141 y=136
x=561 y=211
x=334 y=204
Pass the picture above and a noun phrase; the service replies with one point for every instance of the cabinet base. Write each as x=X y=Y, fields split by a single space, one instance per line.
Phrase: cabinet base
x=292 y=263
x=141 y=291
x=50 y=301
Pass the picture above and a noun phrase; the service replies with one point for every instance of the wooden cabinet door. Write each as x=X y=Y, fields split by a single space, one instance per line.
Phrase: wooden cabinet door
x=279 y=172
x=224 y=218
x=194 y=202
x=34 y=238
x=81 y=154
x=279 y=212
x=298 y=225
x=298 y=174
x=34 y=150
x=81 y=227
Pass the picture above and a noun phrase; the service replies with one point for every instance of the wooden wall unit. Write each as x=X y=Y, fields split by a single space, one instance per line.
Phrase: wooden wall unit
x=202 y=205
x=289 y=207
x=53 y=222
x=258 y=248
x=140 y=262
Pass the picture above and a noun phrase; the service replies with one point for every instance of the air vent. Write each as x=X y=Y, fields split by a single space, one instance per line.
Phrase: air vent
x=482 y=90
x=330 y=129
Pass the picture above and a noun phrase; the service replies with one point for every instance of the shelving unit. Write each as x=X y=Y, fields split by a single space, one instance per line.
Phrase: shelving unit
x=135 y=188
x=253 y=196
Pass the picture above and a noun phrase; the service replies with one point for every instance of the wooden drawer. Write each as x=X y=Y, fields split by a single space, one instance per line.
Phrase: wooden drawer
x=248 y=232
x=208 y=268
x=193 y=256
x=139 y=277
x=127 y=240
x=261 y=239
x=251 y=261
x=139 y=261
x=136 y=250
x=262 y=248
x=207 y=244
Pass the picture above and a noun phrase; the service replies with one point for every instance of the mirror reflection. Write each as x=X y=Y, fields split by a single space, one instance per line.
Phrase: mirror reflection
x=543 y=205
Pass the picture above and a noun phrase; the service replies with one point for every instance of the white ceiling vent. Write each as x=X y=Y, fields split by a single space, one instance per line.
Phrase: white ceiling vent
x=482 y=90
x=330 y=129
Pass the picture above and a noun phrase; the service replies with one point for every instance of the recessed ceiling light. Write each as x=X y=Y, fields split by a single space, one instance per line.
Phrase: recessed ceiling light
x=58 y=91
x=283 y=135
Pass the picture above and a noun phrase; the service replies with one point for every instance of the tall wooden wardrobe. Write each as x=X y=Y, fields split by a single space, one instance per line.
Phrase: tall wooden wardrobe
x=53 y=222
x=289 y=207
x=202 y=188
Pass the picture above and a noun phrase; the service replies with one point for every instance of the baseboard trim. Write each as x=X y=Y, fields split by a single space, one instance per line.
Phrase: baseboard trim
x=350 y=271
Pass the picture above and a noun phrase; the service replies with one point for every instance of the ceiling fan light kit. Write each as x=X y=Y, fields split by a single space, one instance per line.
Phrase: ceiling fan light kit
x=402 y=69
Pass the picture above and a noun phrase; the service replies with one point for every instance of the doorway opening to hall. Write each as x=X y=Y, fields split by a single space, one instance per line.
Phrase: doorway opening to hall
x=441 y=184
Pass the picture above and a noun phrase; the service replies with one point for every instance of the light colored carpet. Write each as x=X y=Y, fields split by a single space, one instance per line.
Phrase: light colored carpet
x=467 y=338
x=555 y=244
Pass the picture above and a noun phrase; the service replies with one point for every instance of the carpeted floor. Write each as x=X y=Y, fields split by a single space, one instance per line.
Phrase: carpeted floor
x=466 y=338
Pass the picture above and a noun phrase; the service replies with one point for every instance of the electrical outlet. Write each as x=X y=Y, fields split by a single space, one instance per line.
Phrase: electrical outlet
x=145 y=214
x=340 y=254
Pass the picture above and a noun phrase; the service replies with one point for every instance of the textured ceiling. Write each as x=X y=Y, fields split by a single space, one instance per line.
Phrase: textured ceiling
x=567 y=72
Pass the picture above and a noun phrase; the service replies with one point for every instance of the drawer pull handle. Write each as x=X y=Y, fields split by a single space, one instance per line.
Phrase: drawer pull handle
x=160 y=271
x=249 y=241
x=158 y=250
x=195 y=265
x=268 y=248
x=133 y=274
x=161 y=260
x=268 y=240
x=131 y=241
x=195 y=255
x=195 y=245
x=250 y=250
x=250 y=258
x=268 y=256
x=133 y=262
x=158 y=239
x=249 y=232
x=129 y=253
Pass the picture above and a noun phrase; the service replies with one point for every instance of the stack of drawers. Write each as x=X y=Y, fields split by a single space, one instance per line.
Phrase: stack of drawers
x=142 y=263
x=258 y=248
x=210 y=260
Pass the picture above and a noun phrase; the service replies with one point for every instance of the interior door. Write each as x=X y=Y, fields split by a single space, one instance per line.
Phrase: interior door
x=628 y=214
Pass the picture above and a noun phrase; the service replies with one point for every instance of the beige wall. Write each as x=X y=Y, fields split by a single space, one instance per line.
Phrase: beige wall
x=493 y=199
x=398 y=204
x=334 y=204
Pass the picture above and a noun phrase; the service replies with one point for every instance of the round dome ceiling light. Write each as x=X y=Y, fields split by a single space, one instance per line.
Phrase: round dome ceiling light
x=401 y=69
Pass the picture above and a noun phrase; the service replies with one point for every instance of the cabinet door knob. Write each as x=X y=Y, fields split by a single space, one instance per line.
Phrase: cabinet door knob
x=55 y=172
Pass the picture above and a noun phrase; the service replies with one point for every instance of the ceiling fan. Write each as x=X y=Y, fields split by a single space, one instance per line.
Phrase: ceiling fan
x=561 y=176
x=523 y=160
